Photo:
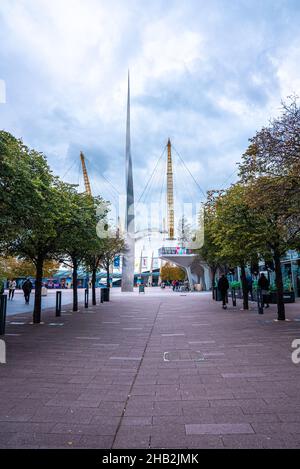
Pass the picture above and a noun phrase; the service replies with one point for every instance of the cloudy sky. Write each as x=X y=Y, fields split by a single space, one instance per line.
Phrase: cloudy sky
x=206 y=73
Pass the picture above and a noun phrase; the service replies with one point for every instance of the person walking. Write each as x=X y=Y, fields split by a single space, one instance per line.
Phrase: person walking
x=223 y=286
x=27 y=287
x=12 y=284
x=264 y=285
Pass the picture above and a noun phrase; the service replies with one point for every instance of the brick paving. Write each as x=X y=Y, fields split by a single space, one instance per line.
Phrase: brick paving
x=151 y=371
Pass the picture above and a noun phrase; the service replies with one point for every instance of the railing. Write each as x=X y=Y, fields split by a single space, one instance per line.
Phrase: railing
x=175 y=251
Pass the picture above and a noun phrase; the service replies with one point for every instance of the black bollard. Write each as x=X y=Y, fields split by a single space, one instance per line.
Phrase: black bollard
x=106 y=294
x=233 y=295
x=3 y=306
x=260 y=302
x=58 y=304
x=86 y=298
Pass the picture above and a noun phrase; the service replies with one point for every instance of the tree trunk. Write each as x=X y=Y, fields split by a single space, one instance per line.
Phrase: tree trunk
x=38 y=290
x=75 y=284
x=107 y=275
x=94 y=273
x=279 y=286
x=244 y=287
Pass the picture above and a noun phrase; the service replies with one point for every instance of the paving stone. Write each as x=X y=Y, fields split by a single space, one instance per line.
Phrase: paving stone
x=252 y=442
x=104 y=429
x=204 y=442
x=218 y=429
x=95 y=442
x=135 y=438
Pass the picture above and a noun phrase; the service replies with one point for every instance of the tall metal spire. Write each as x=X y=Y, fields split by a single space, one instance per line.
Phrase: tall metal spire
x=128 y=257
x=87 y=184
x=170 y=193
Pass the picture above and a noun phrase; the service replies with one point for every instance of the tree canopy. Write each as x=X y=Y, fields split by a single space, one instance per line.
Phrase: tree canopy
x=42 y=217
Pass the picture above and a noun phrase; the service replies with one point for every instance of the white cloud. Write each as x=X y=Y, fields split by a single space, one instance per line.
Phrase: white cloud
x=205 y=76
x=289 y=71
x=2 y=92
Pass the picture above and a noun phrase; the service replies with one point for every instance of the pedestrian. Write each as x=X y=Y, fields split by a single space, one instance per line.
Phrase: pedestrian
x=27 y=287
x=223 y=286
x=264 y=285
x=12 y=284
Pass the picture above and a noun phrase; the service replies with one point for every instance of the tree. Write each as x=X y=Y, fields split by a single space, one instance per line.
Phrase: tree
x=275 y=149
x=43 y=218
x=209 y=252
x=33 y=207
x=78 y=237
x=106 y=245
x=40 y=242
x=112 y=246
x=20 y=170
x=236 y=232
x=94 y=255
x=278 y=227
x=271 y=168
x=92 y=262
x=13 y=267
x=169 y=272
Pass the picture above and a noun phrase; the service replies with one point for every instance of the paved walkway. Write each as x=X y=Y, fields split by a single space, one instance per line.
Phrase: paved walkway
x=17 y=305
x=151 y=371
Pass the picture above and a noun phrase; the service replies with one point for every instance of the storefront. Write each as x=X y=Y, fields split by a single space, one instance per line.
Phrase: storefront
x=291 y=272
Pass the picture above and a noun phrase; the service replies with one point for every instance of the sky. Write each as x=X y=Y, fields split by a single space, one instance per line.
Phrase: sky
x=205 y=73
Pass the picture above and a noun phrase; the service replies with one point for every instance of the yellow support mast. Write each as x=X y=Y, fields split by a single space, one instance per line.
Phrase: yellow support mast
x=85 y=175
x=170 y=193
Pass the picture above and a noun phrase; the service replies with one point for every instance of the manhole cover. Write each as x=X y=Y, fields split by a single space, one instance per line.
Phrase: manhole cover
x=183 y=356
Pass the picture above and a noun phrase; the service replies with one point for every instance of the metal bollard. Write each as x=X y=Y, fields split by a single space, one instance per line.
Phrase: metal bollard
x=106 y=294
x=86 y=298
x=58 y=304
x=3 y=306
x=233 y=295
x=260 y=303
x=101 y=295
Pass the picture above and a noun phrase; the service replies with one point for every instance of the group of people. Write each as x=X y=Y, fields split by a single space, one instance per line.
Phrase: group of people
x=263 y=284
x=176 y=285
x=12 y=285
x=179 y=286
